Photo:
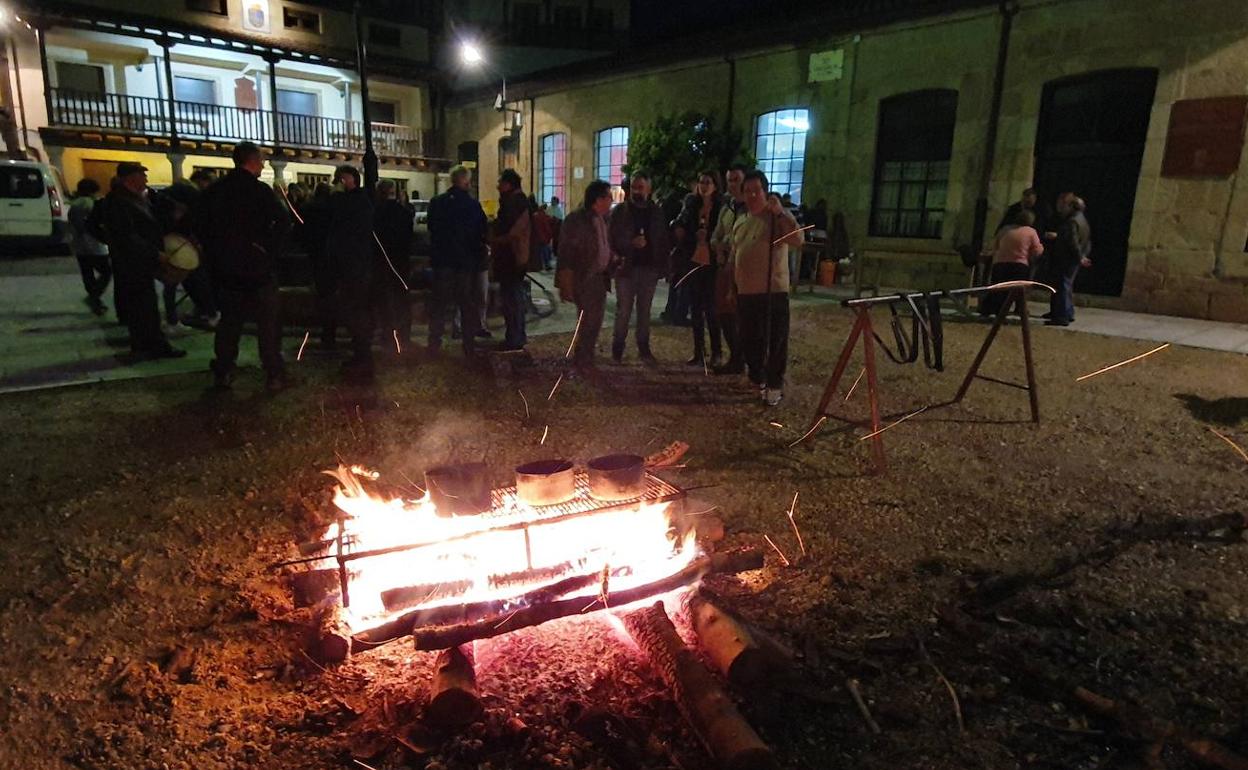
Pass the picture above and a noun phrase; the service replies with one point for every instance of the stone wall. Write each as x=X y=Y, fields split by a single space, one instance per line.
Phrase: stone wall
x=1186 y=248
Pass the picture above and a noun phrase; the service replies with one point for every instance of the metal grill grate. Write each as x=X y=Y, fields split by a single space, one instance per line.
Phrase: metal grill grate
x=504 y=500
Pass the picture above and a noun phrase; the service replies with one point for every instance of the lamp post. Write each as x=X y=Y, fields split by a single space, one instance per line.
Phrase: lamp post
x=473 y=57
x=361 y=62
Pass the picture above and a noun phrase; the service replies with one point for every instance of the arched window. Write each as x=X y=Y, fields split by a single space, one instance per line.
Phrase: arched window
x=912 y=152
x=554 y=167
x=611 y=152
x=780 y=147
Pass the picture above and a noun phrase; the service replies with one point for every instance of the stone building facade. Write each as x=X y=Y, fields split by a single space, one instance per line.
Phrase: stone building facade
x=1085 y=103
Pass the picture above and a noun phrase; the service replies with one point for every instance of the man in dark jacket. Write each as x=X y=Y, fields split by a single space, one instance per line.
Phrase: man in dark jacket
x=639 y=237
x=457 y=229
x=135 y=239
x=242 y=227
x=1071 y=249
x=350 y=249
x=313 y=236
x=392 y=269
x=584 y=265
x=512 y=249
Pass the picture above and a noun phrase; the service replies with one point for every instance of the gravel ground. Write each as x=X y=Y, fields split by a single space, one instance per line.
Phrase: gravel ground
x=998 y=561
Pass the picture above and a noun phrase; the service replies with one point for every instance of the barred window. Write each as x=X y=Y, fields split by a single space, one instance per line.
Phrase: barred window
x=611 y=152
x=554 y=168
x=913 y=149
x=780 y=147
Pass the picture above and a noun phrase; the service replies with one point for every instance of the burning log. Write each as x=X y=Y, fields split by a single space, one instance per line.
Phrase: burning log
x=525 y=577
x=331 y=641
x=453 y=700
x=730 y=643
x=314 y=586
x=442 y=637
x=407 y=596
x=708 y=709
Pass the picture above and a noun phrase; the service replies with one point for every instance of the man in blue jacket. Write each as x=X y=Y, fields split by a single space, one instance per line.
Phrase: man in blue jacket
x=457 y=231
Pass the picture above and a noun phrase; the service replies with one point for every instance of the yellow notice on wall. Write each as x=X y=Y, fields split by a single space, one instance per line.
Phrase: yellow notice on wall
x=827 y=65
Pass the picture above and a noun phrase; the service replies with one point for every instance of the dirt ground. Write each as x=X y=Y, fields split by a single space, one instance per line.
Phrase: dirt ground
x=996 y=567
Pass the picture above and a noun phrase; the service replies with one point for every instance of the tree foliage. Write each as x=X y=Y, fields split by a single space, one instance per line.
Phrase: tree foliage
x=676 y=147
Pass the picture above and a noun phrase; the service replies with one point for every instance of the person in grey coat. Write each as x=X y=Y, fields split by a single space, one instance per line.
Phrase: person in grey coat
x=640 y=239
x=1071 y=250
x=583 y=269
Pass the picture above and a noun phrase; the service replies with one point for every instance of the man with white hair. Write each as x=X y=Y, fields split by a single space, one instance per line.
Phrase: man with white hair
x=457 y=232
x=1070 y=251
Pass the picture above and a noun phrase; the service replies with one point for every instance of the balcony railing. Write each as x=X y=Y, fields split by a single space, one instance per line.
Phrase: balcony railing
x=149 y=116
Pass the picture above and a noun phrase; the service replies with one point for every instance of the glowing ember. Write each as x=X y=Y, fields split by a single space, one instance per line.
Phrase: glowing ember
x=403 y=547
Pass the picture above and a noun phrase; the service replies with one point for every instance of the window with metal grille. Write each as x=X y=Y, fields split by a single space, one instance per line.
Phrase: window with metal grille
x=384 y=34
x=554 y=168
x=780 y=147
x=913 y=149
x=611 y=152
x=80 y=78
x=304 y=21
x=310 y=180
x=215 y=7
x=400 y=187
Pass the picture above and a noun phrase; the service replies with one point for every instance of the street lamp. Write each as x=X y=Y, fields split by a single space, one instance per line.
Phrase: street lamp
x=471 y=54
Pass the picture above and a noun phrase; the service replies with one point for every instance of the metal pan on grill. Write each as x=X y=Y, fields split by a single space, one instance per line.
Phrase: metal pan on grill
x=617 y=477
x=459 y=489
x=546 y=482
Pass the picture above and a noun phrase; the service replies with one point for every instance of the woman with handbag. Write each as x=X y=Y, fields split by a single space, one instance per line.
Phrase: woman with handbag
x=693 y=228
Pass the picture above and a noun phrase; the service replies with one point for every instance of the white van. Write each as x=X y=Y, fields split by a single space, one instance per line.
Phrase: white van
x=33 y=207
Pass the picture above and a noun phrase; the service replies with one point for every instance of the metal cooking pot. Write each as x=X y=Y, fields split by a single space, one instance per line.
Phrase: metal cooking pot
x=546 y=482
x=617 y=477
x=460 y=488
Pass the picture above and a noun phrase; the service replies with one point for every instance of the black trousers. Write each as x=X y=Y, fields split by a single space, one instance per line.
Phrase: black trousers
x=355 y=307
x=393 y=303
x=135 y=299
x=325 y=284
x=702 y=301
x=1001 y=272
x=766 y=351
x=259 y=304
x=96 y=273
x=454 y=291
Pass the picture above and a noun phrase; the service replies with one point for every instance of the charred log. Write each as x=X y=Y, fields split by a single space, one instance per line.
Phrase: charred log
x=314 y=586
x=453 y=700
x=408 y=596
x=708 y=709
x=331 y=639
x=730 y=643
x=443 y=627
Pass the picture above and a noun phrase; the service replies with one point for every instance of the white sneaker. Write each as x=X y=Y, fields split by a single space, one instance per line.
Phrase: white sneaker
x=178 y=329
x=772 y=396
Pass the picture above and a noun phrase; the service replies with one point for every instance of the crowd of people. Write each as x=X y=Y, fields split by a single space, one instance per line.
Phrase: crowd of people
x=729 y=253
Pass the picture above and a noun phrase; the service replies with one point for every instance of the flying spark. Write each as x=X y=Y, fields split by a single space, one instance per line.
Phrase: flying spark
x=786 y=235
x=695 y=269
x=397 y=347
x=792 y=507
x=818 y=424
x=552 y=390
x=783 y=558
x=1234 y=446
x=526 y=403
x=575 y=332
x=302 y=345
x=854 y=387
x=1157 y=349
x=544 y=433
x=391 y=264
x=898 y=422
x=293 y=210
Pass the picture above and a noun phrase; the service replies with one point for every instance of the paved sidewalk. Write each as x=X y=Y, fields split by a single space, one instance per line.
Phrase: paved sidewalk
x=48 y=338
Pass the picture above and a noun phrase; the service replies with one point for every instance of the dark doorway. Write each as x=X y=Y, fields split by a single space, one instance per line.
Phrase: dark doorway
x=1090 y=140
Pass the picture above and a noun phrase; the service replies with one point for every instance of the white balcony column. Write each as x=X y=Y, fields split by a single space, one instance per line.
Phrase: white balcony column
x=176 y=161
x=279 y=171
